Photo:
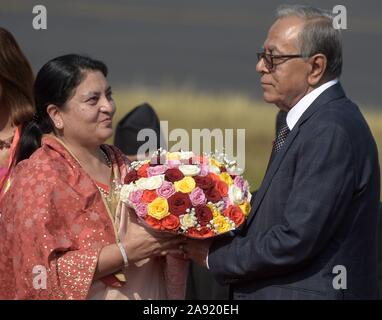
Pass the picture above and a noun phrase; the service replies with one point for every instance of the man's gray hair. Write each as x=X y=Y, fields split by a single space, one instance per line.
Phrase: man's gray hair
x=318 y=35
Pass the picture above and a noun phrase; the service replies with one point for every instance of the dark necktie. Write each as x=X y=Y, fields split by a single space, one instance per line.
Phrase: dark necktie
x=281 y=137
x=282 y=134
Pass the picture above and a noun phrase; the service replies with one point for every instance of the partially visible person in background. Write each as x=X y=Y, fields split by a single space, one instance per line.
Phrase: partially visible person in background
x=126 y=134
x=16 y=100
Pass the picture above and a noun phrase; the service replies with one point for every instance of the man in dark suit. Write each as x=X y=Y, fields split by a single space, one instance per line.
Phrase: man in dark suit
x=311 y=233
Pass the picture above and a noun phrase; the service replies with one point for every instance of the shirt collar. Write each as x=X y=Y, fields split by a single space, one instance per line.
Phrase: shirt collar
x=297 y=111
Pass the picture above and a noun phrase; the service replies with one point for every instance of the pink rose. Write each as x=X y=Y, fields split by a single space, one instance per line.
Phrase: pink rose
x=203 y=170
x=136 y=196
x=141 y=209
x=198 y=197
x=166 y=190
x=173 y=163
x=156 y=170
x=240 y=183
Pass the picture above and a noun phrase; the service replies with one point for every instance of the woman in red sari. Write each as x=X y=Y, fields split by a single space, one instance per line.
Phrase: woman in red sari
x=64 y=234
x=16 y=100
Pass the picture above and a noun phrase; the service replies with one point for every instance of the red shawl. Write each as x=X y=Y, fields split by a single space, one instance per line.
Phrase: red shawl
x=53 y=224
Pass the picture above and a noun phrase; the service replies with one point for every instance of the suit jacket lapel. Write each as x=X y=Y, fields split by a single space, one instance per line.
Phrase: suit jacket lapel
x=271 y=172
x=331 y=93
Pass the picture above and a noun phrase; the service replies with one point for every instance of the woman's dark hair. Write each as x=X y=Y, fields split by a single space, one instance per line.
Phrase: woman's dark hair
x=55 y=84
x=16 y=80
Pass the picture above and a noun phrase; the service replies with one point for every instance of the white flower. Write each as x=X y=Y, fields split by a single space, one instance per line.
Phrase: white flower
x=185 y=155
x=125 y=192
x=235 y=195
x=189 y=169
x=138 y=163
x=235 y=171
x=188 y=220
x=214 y=169
x=150 y=183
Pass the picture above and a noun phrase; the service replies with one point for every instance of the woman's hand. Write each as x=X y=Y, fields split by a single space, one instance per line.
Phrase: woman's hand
x=141 y=243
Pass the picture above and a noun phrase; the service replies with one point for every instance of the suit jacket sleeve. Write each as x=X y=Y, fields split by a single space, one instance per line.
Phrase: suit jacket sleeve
x=323 y=185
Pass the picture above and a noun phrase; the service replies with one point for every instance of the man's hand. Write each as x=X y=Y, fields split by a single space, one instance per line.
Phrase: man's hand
x=197 y=250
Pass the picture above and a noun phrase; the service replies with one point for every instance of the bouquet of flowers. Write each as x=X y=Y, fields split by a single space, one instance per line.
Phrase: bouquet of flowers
x=196 y=196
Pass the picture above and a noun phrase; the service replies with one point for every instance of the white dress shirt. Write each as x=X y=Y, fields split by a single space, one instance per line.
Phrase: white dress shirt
x=297 y=111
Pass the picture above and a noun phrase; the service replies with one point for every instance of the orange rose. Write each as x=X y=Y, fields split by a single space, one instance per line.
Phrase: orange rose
x=142 y=171
x=149 y=196
x=171 y=222
x=214 y=177
x=152 y=222
x=222 y=187
x=235 y=214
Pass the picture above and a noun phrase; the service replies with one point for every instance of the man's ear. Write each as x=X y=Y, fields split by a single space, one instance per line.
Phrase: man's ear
x=318 y=64
x=56 y=116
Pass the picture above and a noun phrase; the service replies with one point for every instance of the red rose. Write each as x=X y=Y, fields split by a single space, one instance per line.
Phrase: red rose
x=178 y=203
x=203 y=214
x=173 y=175
x=203 y=232
x=235 y=214
x=132 y=176
x=152 y=222
x=142 y=171
x=149 y=196
x=171 y=222
x=204 y=182
x=213 y=195
x=222 y=187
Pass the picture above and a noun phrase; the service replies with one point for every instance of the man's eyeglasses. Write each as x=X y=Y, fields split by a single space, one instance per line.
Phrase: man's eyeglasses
x=268 y=58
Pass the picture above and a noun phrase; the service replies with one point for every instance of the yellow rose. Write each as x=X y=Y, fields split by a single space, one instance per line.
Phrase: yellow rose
x=214 y=210
x=225 y=177
x=158 y=208
x=186 y=185
x=246 y=208
x=215 y=163
x=221 y=224
x=173 y=156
